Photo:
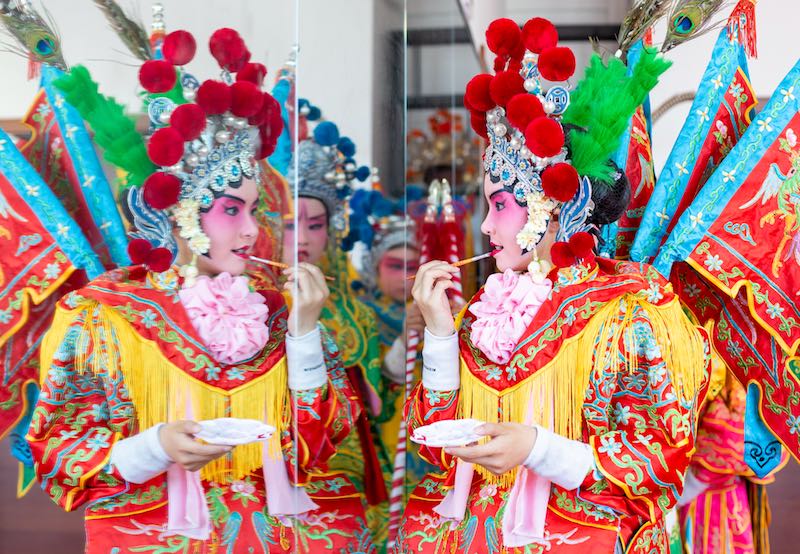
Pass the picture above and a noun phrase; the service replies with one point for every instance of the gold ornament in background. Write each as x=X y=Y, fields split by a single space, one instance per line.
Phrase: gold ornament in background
x=448 y=150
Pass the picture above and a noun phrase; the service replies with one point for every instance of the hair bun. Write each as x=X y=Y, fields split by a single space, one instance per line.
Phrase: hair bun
x=610 y=200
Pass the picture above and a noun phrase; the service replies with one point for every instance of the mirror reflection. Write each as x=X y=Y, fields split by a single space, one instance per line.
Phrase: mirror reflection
x=395 y=276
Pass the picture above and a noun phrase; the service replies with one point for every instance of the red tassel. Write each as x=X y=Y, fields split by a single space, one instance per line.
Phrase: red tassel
x=742 y=26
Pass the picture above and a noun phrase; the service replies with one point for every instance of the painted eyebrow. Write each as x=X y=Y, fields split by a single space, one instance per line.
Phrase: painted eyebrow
x=315 y=217
x=496 y=192
x=232 y=197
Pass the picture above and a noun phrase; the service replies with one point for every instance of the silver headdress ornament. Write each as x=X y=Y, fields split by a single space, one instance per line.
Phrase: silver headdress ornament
x=317 y=175
x=324 y=167
x=205 y=137
x=527 y=152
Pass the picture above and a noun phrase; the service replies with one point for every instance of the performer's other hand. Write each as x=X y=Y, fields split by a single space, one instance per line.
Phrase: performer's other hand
x=177 y=439
x=430 y=293
x=309 y=292
x=510 y=445
x=414 y=320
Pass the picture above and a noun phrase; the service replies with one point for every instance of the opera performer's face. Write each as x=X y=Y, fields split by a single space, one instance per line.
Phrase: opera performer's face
x=231 y=226
x=308 y=232
x=394 y=267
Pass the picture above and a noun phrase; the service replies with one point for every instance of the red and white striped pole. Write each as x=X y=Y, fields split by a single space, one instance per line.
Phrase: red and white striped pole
x=454 y=238
x=399 y=472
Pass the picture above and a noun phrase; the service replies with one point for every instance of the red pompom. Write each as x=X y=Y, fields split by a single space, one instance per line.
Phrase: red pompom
x=159 y=260
x=228 y=48
x=538 y=33
x=263 y=115
x=557 y=64
x=266 y=143
x=544 y=137
x=252 y=72
x=561 y=255
x=504 y=86
x=138 y=249
x=238 y=64
x=560 y=181
x=214 y=97
x=157 y=76
x=161 y=190
x=246 y=99
x=499 y=64
x=189 y=120
x=165 y=147
x=477 y=121
x=179 y=47
x=517 y=55
x=467 y=105
x=582 y=246
x=271 y=130
x=522 y=109
x=477 y=93
x=503 y=36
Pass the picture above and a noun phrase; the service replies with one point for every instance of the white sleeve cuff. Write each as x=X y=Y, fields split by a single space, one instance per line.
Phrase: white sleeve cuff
x=692 y=488
x=305 y=361
x=562 y=461
x=394 y=362
x=440 y=362
x=141 y=457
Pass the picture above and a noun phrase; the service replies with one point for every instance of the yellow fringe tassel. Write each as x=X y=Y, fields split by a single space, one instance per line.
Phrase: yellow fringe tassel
x=162 y=392
x=553 y=397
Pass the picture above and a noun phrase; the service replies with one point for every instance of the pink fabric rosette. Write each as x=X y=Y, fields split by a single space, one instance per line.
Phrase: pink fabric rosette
x=230 y=319
x=509 y=302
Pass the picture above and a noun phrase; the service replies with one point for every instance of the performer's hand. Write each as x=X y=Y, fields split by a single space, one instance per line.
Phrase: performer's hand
x=308 y=297
x=430 y=293
x=510 y=445
x=177 y=439
x=413 y=320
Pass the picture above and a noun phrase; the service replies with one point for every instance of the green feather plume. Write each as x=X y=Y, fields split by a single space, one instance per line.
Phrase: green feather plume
x=601 y=107
x=114 y=131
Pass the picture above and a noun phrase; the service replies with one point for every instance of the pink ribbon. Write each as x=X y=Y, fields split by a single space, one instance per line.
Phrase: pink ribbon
x=283 y=499
x=187 y=511
x=454 y=504
x=526 y=509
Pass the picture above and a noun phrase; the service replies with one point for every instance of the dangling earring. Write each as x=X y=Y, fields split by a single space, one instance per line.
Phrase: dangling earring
x=538 y=269
x=189 y=272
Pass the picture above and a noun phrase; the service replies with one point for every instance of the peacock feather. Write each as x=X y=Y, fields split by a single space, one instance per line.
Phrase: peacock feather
x=690 y=19
x=642 y=16
x=130 y=31
x=34 y=33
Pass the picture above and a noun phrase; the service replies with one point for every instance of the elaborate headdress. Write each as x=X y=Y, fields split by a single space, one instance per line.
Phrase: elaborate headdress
x=204 y=138
x=321 y=164
x=325 y=169
x=379 y=224
x=447 y=145
x=552 y=148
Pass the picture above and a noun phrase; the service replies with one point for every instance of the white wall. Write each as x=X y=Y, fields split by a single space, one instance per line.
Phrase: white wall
x=334 y=66
x=266 y=25
x=342 y=39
